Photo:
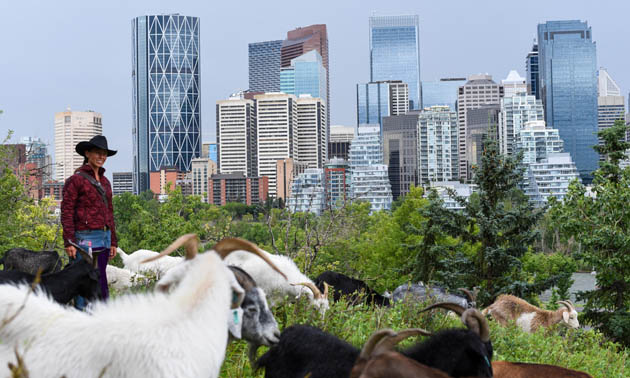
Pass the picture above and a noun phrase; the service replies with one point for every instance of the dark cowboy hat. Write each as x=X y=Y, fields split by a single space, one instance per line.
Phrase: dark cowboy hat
x=98 y=141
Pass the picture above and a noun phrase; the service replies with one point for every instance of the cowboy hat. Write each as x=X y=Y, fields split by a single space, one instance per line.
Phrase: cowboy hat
x=98 y=141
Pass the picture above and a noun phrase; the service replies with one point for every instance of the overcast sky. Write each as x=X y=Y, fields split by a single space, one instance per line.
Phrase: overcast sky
x=77 y=54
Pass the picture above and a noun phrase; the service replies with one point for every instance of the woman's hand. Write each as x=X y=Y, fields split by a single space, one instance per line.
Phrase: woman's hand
x=112 y=252
x=71 y=251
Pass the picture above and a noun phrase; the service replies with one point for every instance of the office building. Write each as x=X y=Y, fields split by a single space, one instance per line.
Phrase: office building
x=235 y=187
x=443 y=92
x=400 y=152
x=531 y=70
x=210 y=150
x=307 y=192
x=37 y=153
x=568 y=85
x=237 y=136
x=312 y=142
x=516 y=111
x=380 y=99
x=122 y=182
x=611 y=105
x=305 y=76
x=166 y=83
x=277 y=133
x=480 y=90
x=513 y=84
x=537 y=142
x=72 y=127
x=339 y=142
x=264 y=66
x=337 y=183
x=437 y=145
x=286 y=171
x=550 y=178
x=202 y=169
x=395 y=52
x=481 y=123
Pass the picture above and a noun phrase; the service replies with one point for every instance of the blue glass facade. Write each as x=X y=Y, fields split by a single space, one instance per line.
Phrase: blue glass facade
x=372 y=103
x=264 y=66
x=568 y=85
x=531 y=67
x=306 y=75
x=166 y=89
x=395 y=52
x=440 y=93
x=212 y=152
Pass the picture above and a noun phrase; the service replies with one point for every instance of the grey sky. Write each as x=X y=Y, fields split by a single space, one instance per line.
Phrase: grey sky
x=57 y=54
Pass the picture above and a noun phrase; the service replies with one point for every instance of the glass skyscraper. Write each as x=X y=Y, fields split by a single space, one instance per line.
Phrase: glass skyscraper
x=568 y=85
x=531 y=68
x=395 y=52
x=264 y=66
x=372 y=103
x=166 y=95
x=442 y=93
x=306 y=75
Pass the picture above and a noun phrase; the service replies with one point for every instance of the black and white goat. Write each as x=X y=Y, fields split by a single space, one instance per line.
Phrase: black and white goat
x=27 y=261
x=354 y=290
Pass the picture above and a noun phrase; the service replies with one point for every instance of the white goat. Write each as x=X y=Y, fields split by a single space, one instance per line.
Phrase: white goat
x=274 y=285
x=181 y=333
x=134 y=261
x=121 y=279
x=530 y=317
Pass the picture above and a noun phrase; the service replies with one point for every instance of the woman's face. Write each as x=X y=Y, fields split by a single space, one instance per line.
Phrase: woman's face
x=96 y=157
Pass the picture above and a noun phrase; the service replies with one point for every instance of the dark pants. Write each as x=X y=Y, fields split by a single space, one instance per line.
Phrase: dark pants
x=100 y=242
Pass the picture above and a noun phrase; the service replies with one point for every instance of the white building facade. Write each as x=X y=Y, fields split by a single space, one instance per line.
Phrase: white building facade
x=516 y=111
x=537 y=142
x=307 y=192
x=437 y=144
x=312 y=142
x=550 y=178
x=236 y=136
x=72 y=127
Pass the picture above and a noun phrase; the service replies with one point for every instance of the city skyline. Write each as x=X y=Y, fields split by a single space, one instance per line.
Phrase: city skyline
x=92 y=72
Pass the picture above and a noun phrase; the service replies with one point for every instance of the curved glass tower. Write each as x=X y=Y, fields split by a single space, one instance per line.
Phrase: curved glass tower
x=166 y=95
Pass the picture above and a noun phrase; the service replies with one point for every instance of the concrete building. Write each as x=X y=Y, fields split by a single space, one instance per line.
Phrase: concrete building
x=122 y=182
x=437 y=145
x=235 y=187
x=513 y=84
x=376 y=100
x=72 y=127
x=210 y=150
x=337 y=183
x=482 y=123
x=461 y=190
x=400 y=151
x=167 y=177
x=537 y=142
x=307 y=192
x=516 y=111
x=202 y=169
x=443 y=92
x=532 y=72
x=339 y=142
x=277 y=132
x=37 y=153
x=312 y=131
x=286 y=170
x=611 y=105
x=478 y=91
x=237 y=136
x=53 y=189
x=550 y=177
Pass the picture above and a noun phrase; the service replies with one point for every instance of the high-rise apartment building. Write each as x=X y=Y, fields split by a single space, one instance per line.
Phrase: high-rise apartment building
x=202 y=169
x=72 y=127
x=400 y=137
x=550 y=177
x=536 y=141
x=122 y=182
x=235 y=187
x=237 y=136
x=339 y=142
x=308 y=192
x=337 y=183
x=166 y=95
x=611 y=105
x=264 y=66
x=381 y=99
x=37 y=153
x=516 y=111
x=443 y=92
x=513 y=84
x=568 y=85
x=286 y=170
x=312 y=142
x=437 y=145
x=395 y=52
x=480 y=90
x=531 y=69
x=277 y=132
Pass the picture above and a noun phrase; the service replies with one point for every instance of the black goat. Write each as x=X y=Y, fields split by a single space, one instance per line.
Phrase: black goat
x=351 y=288
x=27 y=261
x=457 y=352
x=75 y=279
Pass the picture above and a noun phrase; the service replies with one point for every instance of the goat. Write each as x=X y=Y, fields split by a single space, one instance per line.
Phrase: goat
x=343 y=285
x=378 y=360
x=79 y=278
x=274 y=285
x=134 y=261
x=528 y=317
x=306 y=350
x=181 y=333
x=121 y=279
x=27 y=261
x=504 y=369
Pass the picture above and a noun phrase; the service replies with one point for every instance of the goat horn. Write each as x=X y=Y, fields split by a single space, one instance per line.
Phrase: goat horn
x=229 y=245
x=374 y=339
x=190 y=241
x=471 y=296
x=314 y=289
x=566 y=304
x=459 y=310
x=326 y=286
x=480 y=327
x=390 y=341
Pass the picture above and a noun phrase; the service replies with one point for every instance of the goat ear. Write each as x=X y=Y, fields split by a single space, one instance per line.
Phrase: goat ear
x=238 y=294
x=565 y=316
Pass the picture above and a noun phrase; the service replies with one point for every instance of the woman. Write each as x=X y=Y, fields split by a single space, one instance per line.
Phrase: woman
x=87 y=213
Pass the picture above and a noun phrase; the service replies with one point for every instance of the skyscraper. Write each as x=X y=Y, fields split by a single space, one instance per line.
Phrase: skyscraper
x=37 y=152
x=611 y=105
x=536 y=141
x=312 y=142
x=531 y=69
x=72 y=127
x=400 y=153
x=381 y=99
x=443 y=92
x=513 y=84
x=568 y=85
x=305 y=76
x=516 y=111
x=437 y=145
x=236 y=136
x=264 y=66
x=339 y=142
x=395 y=52
x=166 y=95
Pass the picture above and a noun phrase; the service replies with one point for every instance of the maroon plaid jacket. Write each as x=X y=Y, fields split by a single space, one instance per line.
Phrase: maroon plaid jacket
x=82 y=207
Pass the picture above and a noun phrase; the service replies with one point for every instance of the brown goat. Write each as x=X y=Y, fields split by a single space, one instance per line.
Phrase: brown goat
x=378 y=360
x=529 y=317
x=504 y=369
